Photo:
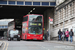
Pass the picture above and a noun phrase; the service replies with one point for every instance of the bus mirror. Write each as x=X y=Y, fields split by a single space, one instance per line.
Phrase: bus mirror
x=43 y=28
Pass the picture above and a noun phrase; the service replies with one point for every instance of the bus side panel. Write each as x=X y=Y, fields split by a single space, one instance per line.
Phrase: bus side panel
x=23 y=32
x=43 y=24
x=25 y=26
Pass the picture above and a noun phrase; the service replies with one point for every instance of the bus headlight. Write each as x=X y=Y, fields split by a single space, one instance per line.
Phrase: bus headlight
x=28 y=35
x=41 y=36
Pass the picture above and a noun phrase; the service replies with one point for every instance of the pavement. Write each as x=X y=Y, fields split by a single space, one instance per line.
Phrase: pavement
x=1 y=43
x=63 y=42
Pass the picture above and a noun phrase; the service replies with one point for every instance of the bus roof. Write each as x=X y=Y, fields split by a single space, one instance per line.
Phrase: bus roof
x=33 y=14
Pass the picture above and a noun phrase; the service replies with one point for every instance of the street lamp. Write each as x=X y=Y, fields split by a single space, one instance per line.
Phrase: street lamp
x=33 y=8
x=31 y=11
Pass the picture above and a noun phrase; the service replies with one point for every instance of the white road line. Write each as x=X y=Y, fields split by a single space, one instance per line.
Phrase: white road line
x=4 y=45
x=7 y=46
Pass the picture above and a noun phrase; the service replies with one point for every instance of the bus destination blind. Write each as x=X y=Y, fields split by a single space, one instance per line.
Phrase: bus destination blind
x=35 y=24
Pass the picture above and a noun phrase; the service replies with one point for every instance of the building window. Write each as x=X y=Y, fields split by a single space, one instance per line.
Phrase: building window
x=20 y=3
x=64 y=7
x=3 y=2
x=2 y=26
x=25 y=18
x=36 y=3
x=11 y=2
x=70 y=4
x=45 y=3
x=23 y=30
x=6 y=26
x=52 y=3
x=28 y=3
x=59 y=10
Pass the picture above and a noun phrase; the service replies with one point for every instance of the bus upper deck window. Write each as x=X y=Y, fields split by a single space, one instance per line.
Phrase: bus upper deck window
x=25 y=18
x=35 y=18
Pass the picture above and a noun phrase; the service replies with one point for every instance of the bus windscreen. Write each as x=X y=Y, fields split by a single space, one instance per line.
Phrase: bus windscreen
x=35 y=30
x=35 y=18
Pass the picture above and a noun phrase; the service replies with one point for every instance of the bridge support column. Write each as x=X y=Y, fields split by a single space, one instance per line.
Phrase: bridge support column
x=48 y=13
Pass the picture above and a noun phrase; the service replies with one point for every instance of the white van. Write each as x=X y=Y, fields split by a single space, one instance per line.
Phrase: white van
x=14 y=35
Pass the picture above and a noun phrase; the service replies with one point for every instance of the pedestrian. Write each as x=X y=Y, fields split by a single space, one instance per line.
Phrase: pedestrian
x=71 y=35
x=67 y=35
x=63 y=35
x=59 y=34
x=46 y=35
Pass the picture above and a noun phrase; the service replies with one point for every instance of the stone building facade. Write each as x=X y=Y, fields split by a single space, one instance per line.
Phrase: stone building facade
x=64 y=17
x=59 y=2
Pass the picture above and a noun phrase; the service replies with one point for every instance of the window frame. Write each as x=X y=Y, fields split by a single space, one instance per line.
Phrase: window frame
x=20 y=3
x=3 y=2
x=24 y=19
x=45 y=3
x=36 y=3
x=28 y=3
x=52 y=3
x=11 y=2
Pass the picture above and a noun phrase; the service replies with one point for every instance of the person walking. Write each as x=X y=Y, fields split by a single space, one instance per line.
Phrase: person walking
x=63 y=35
x=67 y=35
x=47 y=35
x=59 y=34
x=71 y=35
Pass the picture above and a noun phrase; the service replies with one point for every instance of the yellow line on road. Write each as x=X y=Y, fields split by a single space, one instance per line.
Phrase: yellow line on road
x=7 y=46
x=4 y=45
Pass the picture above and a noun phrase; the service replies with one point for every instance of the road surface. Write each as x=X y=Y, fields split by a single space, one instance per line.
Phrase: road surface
x=34 y=45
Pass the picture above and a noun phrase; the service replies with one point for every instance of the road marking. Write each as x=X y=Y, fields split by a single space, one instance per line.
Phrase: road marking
x=7 y=46
x=4 y=45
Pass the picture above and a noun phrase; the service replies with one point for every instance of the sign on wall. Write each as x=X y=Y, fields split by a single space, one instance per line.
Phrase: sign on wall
x=51 y=21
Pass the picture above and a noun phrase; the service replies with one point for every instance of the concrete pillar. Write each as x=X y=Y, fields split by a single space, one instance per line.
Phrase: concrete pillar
x=48 y=13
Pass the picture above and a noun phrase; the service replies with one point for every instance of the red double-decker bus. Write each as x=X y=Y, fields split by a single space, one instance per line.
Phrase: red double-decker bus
x=33 y=27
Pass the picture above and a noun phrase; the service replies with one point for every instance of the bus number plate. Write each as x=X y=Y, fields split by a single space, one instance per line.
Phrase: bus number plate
x=34 y=39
